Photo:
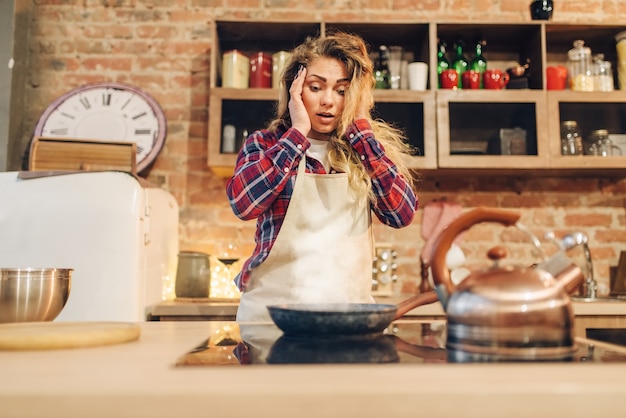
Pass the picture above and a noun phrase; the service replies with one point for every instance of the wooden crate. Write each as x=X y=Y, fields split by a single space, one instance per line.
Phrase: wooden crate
x=63 y=154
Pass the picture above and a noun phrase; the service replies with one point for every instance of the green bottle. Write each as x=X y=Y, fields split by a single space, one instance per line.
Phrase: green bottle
x=442 y=62
x=479 y=62
x=460 y=63
x=381 y=69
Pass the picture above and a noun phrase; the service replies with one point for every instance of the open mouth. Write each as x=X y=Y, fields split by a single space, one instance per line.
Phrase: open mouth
x=326 y=117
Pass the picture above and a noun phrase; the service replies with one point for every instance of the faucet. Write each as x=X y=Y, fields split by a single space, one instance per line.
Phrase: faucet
x=589 y=288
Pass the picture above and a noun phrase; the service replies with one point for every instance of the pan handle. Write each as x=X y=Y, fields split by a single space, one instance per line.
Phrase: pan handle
x=416 y=301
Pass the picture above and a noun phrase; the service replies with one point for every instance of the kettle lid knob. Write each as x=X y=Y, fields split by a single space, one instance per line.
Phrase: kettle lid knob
x=497 y=253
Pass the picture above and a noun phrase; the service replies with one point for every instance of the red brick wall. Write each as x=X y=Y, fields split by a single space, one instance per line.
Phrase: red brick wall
x=163 y=46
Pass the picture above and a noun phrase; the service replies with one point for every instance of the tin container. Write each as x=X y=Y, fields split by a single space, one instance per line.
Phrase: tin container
x=279 y=62
x=235 y=70
x=261 y=70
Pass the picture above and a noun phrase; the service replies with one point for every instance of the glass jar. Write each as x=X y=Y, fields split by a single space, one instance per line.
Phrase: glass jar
x=602 y=74
x=579 y=67
x=571 y=139
x=620 y=38
x=600 y=143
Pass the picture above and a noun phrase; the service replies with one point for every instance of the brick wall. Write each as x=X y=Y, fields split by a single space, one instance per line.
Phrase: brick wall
x=163 y=46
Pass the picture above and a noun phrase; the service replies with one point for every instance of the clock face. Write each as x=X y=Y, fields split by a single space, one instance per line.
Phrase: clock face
x=108 y=111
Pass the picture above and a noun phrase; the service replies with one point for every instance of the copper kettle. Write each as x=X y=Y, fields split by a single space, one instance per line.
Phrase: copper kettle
x=503 y=311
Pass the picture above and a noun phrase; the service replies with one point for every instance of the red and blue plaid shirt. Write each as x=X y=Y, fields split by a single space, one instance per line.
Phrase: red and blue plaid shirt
x=265 y=176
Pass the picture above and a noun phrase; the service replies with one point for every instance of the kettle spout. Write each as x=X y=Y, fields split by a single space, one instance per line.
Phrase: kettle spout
x=568 y=274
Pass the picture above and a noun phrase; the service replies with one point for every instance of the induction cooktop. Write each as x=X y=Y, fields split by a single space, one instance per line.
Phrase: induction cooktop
x=403 y=342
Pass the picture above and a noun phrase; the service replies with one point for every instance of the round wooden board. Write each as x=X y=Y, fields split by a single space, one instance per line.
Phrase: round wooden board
x=60 y=335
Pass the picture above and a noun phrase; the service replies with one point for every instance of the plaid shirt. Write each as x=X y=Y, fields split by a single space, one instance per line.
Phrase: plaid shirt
x=265 y=175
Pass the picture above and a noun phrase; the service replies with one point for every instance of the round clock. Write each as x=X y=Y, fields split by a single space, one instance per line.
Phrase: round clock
x=108 y=111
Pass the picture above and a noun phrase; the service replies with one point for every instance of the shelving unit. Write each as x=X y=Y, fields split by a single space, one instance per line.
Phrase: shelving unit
x=474 y=118
x=444 y=126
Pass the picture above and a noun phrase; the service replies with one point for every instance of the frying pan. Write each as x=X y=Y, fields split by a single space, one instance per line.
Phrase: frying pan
x=342 y=319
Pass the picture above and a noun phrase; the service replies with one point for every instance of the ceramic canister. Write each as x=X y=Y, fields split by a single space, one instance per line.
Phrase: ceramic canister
x=235 y=70
x=279 y=61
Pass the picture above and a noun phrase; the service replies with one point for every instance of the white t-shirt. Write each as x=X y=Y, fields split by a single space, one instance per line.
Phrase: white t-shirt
x=319 y=151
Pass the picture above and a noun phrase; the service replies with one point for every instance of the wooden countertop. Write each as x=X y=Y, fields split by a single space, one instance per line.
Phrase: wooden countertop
x=139 y=379
x=210 y=310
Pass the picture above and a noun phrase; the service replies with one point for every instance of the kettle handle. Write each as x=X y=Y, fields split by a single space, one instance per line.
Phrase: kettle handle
x=441 y=274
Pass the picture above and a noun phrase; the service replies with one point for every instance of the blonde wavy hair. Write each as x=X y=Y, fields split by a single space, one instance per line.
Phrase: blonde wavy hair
x=351 y=50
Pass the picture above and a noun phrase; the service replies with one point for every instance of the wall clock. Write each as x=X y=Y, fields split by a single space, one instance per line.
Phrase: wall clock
x=108 y=111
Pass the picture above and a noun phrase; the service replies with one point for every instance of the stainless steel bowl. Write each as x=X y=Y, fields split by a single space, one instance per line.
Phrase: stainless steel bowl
x=33 y=294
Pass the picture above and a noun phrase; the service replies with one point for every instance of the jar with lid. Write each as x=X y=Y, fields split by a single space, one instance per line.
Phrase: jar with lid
x=579 y=67
x=600 y=143
x=602 y=74
x=620 y=39
x=571 y=139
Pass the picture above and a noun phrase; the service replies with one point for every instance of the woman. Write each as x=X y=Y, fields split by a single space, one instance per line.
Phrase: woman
x=312 y=179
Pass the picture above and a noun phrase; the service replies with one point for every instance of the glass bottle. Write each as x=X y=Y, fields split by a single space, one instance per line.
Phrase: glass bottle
x=381 y=69
x=579 y=67
x=571 y=139
x=460 y=63
x=479 y=62
x=442 y=62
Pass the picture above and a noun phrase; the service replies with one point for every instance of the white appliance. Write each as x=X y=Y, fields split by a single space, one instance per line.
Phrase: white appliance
x=118 y=234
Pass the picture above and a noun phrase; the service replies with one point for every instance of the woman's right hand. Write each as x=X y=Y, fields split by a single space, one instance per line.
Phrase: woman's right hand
x=299 y=116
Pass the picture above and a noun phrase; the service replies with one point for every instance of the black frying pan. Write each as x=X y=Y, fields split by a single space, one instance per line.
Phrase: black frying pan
x=342 y=319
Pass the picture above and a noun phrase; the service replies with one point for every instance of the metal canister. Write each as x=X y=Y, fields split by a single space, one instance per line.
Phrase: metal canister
x=279 y=62
x=235 y=70
x=261 y=70
x=193 y=275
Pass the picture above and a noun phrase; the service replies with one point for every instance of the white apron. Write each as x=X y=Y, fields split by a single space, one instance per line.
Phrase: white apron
x=322 y=254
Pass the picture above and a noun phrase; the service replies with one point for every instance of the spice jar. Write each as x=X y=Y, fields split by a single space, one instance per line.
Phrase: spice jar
x=579 y=67
x=571 y=139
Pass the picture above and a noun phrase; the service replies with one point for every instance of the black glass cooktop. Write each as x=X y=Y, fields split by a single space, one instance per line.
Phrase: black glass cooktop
x=404 y=341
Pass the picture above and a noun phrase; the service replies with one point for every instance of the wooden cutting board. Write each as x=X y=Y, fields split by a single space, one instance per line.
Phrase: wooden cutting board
x=60 y=335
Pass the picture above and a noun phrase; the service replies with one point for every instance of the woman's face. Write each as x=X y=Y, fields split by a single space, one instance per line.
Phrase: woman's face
x=323 y=95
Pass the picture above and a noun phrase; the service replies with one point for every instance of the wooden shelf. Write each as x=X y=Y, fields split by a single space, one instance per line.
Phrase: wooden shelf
x=437 y=121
